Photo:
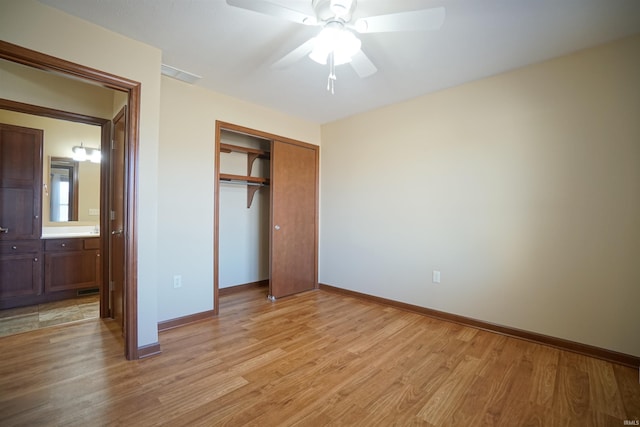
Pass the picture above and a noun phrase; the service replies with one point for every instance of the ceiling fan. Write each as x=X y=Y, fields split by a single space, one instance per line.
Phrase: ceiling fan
x=337 y=42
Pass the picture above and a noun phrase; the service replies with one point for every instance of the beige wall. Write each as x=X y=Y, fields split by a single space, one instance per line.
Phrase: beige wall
x=32 y=25
x=32 y=86
x=188 y=117
x=523 y=189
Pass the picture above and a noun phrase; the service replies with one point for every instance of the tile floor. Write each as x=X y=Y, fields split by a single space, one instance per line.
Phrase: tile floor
x=22 y=319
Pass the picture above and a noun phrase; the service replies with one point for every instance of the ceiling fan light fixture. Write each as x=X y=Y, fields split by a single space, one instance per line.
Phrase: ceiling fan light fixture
x=342 y=43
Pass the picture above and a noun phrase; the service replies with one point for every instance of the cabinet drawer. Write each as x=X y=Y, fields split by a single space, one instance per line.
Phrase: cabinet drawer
x=92 y=243
x=64 y=245
x=20 y=247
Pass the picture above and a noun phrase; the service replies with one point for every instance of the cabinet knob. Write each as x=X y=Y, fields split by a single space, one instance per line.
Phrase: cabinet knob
x=64 y=245
x=35 y=260
x=14 y=247
x=277 y=227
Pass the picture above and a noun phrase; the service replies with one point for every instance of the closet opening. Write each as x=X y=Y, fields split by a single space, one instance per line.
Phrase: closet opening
x=265 y=213
x=244 y=208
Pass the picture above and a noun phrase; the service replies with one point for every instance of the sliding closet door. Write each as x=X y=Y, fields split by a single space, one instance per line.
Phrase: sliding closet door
x=294 y=196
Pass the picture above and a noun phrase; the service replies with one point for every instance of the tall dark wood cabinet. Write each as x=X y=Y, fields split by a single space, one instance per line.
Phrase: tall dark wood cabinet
x=21 y=263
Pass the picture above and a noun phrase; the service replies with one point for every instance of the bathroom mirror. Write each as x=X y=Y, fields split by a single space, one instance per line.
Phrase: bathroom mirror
x=63 y=189
x=72 y=191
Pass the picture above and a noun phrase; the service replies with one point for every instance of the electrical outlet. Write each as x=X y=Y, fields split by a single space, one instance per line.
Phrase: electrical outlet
x=177 y=281
x=436 y=276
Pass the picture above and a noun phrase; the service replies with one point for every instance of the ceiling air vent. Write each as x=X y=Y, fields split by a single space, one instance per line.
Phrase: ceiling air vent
x=179 y=74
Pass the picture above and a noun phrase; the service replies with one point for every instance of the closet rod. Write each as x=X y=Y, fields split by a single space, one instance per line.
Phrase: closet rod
x=253 y=184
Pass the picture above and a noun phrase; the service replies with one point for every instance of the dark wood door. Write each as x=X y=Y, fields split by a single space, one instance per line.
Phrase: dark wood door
x=117 y=233
x=20 y=182
x=294 y=195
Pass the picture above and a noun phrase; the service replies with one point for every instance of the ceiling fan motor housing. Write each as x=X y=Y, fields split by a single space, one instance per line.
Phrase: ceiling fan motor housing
x=327 y=10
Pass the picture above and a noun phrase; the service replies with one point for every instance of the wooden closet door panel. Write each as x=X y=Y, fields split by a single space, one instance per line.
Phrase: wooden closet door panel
x=294 y=195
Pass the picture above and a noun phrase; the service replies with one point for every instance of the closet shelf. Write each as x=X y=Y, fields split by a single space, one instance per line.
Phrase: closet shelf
x=228 y=148
x=253 y=183
x=247 y=179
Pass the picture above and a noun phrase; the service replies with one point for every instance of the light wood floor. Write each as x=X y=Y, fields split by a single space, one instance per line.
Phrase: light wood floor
x=310 y=360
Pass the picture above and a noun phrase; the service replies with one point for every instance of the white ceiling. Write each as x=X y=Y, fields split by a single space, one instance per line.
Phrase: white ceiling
x=232 y=49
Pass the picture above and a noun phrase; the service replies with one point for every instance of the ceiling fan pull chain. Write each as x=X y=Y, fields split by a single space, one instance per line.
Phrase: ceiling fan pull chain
x=332 y=75
x=331 y=83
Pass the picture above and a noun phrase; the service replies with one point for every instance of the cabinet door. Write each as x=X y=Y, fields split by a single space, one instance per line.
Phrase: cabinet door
x=20 y=275
x=20 y=182
x=71 y=270
x=294 y=197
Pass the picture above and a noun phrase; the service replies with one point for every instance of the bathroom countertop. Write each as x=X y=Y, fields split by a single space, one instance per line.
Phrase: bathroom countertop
x=79 y=231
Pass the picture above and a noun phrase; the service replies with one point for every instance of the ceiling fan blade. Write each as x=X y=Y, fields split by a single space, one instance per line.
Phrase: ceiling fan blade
x=415 y=20
x=295 y=55
x=362 y=64
x=272 y=9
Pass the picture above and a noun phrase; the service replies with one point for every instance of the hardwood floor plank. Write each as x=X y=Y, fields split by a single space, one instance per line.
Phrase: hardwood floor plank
x=501 y=376
x=572 y=389
x=604 y=394
x=317 y=358
x=441 y=406
x=629 y=387
x=545 y=373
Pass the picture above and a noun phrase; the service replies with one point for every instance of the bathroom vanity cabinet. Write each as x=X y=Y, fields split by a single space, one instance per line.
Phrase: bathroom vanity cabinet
x=38 y=271
x=71 y=264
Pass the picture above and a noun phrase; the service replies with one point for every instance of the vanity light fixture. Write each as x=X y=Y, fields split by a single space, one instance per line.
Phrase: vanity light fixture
x=79 y=153
x=82 y=153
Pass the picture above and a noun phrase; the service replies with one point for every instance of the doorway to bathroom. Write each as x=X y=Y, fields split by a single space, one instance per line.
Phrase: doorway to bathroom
x=130 y=90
